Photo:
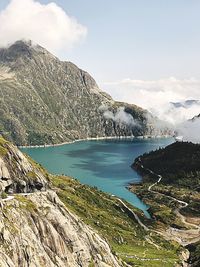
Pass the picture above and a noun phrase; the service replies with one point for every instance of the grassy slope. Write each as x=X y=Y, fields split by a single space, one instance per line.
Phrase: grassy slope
x=104 y=213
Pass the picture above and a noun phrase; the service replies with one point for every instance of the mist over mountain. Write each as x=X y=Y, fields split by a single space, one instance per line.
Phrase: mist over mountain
x=190 y=130
x=45 y=100
x=170 y=99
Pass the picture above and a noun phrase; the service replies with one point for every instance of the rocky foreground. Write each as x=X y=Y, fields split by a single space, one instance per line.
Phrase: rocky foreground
x=36 y=229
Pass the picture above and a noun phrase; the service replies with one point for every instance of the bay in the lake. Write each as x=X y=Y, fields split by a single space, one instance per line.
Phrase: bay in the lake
x=103 y=163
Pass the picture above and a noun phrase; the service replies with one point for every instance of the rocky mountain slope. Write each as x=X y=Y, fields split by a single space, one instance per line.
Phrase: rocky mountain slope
x=17 y=173
x=44 y=100
x=36 y=228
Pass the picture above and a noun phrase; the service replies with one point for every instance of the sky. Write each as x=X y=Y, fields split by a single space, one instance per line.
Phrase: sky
x=140 y=51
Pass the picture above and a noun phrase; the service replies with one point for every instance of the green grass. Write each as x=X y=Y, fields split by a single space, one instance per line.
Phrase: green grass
x=2 y=141
x=91 y=264
x=25 y=203
x=3 y=149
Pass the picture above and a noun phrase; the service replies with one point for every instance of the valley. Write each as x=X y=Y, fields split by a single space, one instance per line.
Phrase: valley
x=99 y=133
x=174 y=196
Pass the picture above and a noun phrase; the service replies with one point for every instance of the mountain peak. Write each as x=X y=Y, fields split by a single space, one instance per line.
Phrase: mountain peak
x=21 y=48
x=22 y=43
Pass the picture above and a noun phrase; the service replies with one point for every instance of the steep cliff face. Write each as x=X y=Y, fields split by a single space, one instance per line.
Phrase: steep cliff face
x=36 y=229
x=17 y=173
x=45 y=100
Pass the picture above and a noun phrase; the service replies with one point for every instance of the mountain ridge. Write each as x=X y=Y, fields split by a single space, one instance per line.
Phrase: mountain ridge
x=45 y=100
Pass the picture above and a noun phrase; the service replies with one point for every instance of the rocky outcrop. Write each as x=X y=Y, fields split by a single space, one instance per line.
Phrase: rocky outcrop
x=44 y=100
x=19 y=174
x=37 y=230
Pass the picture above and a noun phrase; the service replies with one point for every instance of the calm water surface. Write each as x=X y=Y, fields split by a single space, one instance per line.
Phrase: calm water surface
x=105 y=163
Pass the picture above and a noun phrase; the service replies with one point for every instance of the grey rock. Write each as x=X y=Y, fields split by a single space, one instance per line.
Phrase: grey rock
x=49 y=236
x=19 y=174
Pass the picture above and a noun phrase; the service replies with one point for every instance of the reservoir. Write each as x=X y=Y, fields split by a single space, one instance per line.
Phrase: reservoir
x=102 y=163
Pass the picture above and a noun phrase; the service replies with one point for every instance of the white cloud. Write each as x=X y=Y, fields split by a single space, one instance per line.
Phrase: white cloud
x=121 y=116
x=190 y=130
x=157 y=95
x=47 y=25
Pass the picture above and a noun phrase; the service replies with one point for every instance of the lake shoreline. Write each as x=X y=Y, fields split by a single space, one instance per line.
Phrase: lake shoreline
x=96 y=139
x=118 y=175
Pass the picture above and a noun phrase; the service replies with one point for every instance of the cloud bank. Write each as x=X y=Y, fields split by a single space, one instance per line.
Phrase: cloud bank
x=157 y=95
x=165 y=98
x=47 y=25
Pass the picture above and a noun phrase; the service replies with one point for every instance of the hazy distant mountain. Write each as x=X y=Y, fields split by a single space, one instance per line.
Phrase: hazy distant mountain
x=189 y=130
x=185 y=104
x=45 y=100
x=196 y=117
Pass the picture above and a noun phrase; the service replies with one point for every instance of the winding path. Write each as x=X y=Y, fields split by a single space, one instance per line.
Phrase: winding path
x=181 y=236
x=12 y=196
x=183 y=203
x=134 y=214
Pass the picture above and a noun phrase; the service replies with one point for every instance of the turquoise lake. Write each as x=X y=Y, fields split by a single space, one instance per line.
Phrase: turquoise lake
x=104 y=164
